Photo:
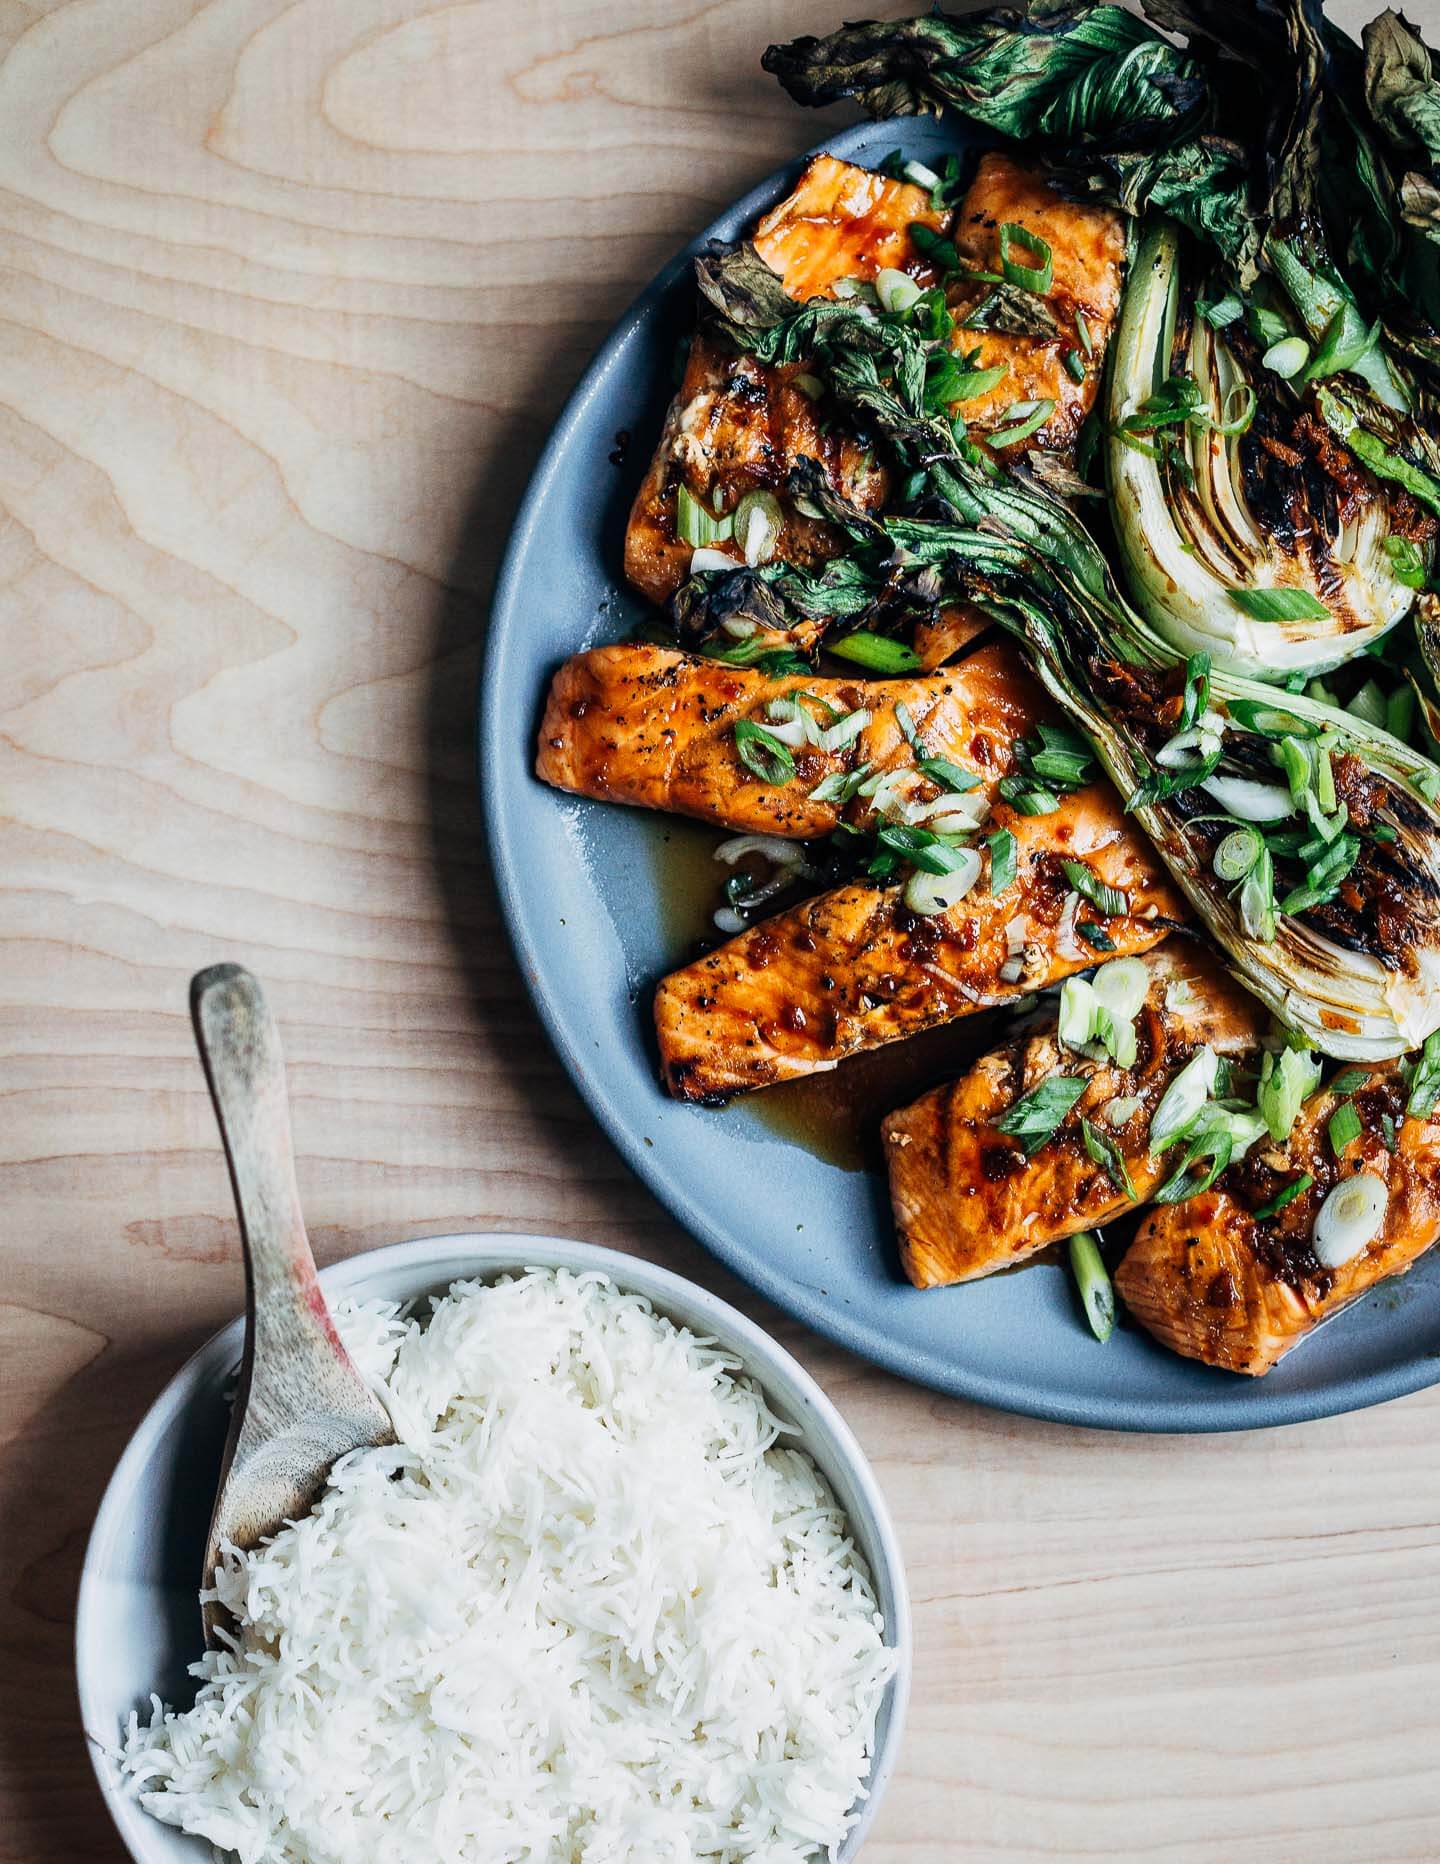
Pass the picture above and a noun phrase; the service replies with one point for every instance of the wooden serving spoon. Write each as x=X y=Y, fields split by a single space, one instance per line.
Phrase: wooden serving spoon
x=300 y=1403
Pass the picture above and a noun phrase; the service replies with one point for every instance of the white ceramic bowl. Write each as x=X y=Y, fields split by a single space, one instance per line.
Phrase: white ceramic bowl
x=138 y=1623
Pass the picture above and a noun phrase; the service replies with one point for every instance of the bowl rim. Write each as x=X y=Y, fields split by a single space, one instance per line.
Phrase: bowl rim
x=483 y=1253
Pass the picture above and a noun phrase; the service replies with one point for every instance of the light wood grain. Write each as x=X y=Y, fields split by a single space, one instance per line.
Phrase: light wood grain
x=291 y=290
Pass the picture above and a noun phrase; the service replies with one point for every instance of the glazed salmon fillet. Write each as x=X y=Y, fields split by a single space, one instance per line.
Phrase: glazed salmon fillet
x=1087 y=247
x=655 y=728
x=738 y=425
x=1214 y=1281
x=855 y=968
x=967 y=1200
x=843 y=221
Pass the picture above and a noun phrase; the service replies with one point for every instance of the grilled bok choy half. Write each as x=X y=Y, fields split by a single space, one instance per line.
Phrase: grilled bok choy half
x=1237 y=535
x=1306 y=839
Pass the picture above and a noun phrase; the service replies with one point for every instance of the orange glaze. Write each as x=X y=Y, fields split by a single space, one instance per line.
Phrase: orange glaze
x=842 y=221
x=968 y=1202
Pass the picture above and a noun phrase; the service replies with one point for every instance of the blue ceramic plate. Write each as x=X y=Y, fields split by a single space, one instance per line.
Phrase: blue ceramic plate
x=602 y=901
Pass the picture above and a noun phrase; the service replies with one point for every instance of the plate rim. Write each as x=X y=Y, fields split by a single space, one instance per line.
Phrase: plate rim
x=1259 y=1409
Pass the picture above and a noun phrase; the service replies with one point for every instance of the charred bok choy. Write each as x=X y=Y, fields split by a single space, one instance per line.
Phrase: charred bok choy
x=1306 y=172
x=1236 y=538
x=1306 y=838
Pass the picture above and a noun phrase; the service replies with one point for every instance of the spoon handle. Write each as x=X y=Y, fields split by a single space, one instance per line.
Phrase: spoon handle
x=300 y=1402
x=240 y=1047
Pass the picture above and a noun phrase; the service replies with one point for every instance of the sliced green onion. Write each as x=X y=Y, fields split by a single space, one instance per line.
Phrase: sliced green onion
x=1407 y=564
x=1184 y=1098
x=1038 y=413
x=762 y=752
x=1297 y=1187
x=696 y=526
x=1107 y=1155
x=968 y=384
x=1037 y=277
x=1027 y=798
x=840 y=786
x=1425 y=1081
x=1351 y=1217
x=1287 y=1081
x=1107 y=900
x=949 y=776
x=1279 y=604
x=1122 y=987
x=1287 y=357
x=897 y=291
x=1075 y=1028
x=877 y=652
x=1075 y=363
x=1258 y=913
x=1271 y=721
x=922 y=176
x=1036 y=1115
x=1002 y=859
x=1082 y=330
x=1349 y=1081
x=1248 y=800
x=1343 y=1127
x=928 y=894
x=1092 y=1279
x=757 y=521
x=1238 y=853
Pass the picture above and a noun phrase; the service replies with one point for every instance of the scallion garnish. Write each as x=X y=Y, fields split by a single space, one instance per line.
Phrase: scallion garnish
x=1297 y=1187
x=1036 y=277
x=1002 y=848
x=1107 y=1155
x=949 y=776
x=1092 y=1281
x=695 y=525
x=1109 y=901
x=1029 y=418
x=1036 y=1115
x=1407 y=565
x=1343 y=1127
x=1348 y=1081
x=1279 y=604
x=762 y=752
x=876 y=652
x=840 y=786
x=1238 y=853
x=1425 y=1080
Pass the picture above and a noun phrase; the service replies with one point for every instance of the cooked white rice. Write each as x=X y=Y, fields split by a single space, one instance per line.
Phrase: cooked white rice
x=589 y=1609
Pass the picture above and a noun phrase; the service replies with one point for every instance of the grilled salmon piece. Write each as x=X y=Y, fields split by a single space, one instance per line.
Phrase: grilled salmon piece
x=855 y=968
x=842 y=221
x=1087 y=246
x=967 y=1200
x=737 y=424
x=1214 y=1281
x=645 y=725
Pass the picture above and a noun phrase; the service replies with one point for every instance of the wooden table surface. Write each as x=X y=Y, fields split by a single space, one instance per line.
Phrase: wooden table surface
x=292 y=290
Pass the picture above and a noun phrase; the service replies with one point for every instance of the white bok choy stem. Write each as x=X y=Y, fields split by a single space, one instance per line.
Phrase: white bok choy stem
x=1200 y=513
